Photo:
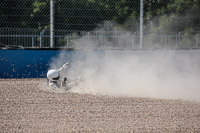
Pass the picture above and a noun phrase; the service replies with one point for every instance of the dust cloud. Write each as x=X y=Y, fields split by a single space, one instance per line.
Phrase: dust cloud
x=169 y=74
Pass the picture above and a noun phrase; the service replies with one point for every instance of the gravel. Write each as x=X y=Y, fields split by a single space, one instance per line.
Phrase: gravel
x=26 y=108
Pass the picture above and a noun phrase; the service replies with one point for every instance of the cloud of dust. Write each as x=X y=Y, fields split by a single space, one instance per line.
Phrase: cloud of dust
x=170 y=74
x=157 y=74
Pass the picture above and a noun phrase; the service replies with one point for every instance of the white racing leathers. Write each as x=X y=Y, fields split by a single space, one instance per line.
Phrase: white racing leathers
x=54 y=79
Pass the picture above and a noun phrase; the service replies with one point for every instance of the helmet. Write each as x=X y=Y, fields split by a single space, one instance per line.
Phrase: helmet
x=52 y=74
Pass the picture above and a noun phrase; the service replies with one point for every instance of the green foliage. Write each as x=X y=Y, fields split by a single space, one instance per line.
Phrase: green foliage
x=37 y=5
x=86 y=15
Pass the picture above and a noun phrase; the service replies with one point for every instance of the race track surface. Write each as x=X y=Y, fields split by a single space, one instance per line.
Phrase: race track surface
x=26 y=108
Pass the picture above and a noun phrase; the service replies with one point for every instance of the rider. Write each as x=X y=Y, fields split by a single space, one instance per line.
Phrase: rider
x=54 y=78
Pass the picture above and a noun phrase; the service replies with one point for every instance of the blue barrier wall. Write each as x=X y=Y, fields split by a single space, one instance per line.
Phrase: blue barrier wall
x=33 y=63
x=25 y=63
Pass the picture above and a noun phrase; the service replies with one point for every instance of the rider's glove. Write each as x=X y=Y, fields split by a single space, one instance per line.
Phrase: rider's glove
x=65 y=65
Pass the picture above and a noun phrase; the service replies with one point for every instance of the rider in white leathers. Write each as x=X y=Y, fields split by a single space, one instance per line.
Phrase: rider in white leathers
x=54 y=79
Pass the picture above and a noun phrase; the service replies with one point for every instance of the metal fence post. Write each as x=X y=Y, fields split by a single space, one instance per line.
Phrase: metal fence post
x=51 y=23
x=67 y=41
x=133 y=39
x=101 y=41
x=141 y=22
x=179 y=39
x=40 y=40
x=177 y=36
x=32 y=41
x=88 y=37
x=197 y=41
x=165 y=40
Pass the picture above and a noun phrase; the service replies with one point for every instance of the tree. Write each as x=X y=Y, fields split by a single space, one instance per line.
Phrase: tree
x=174 y=16
x=15 y=14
